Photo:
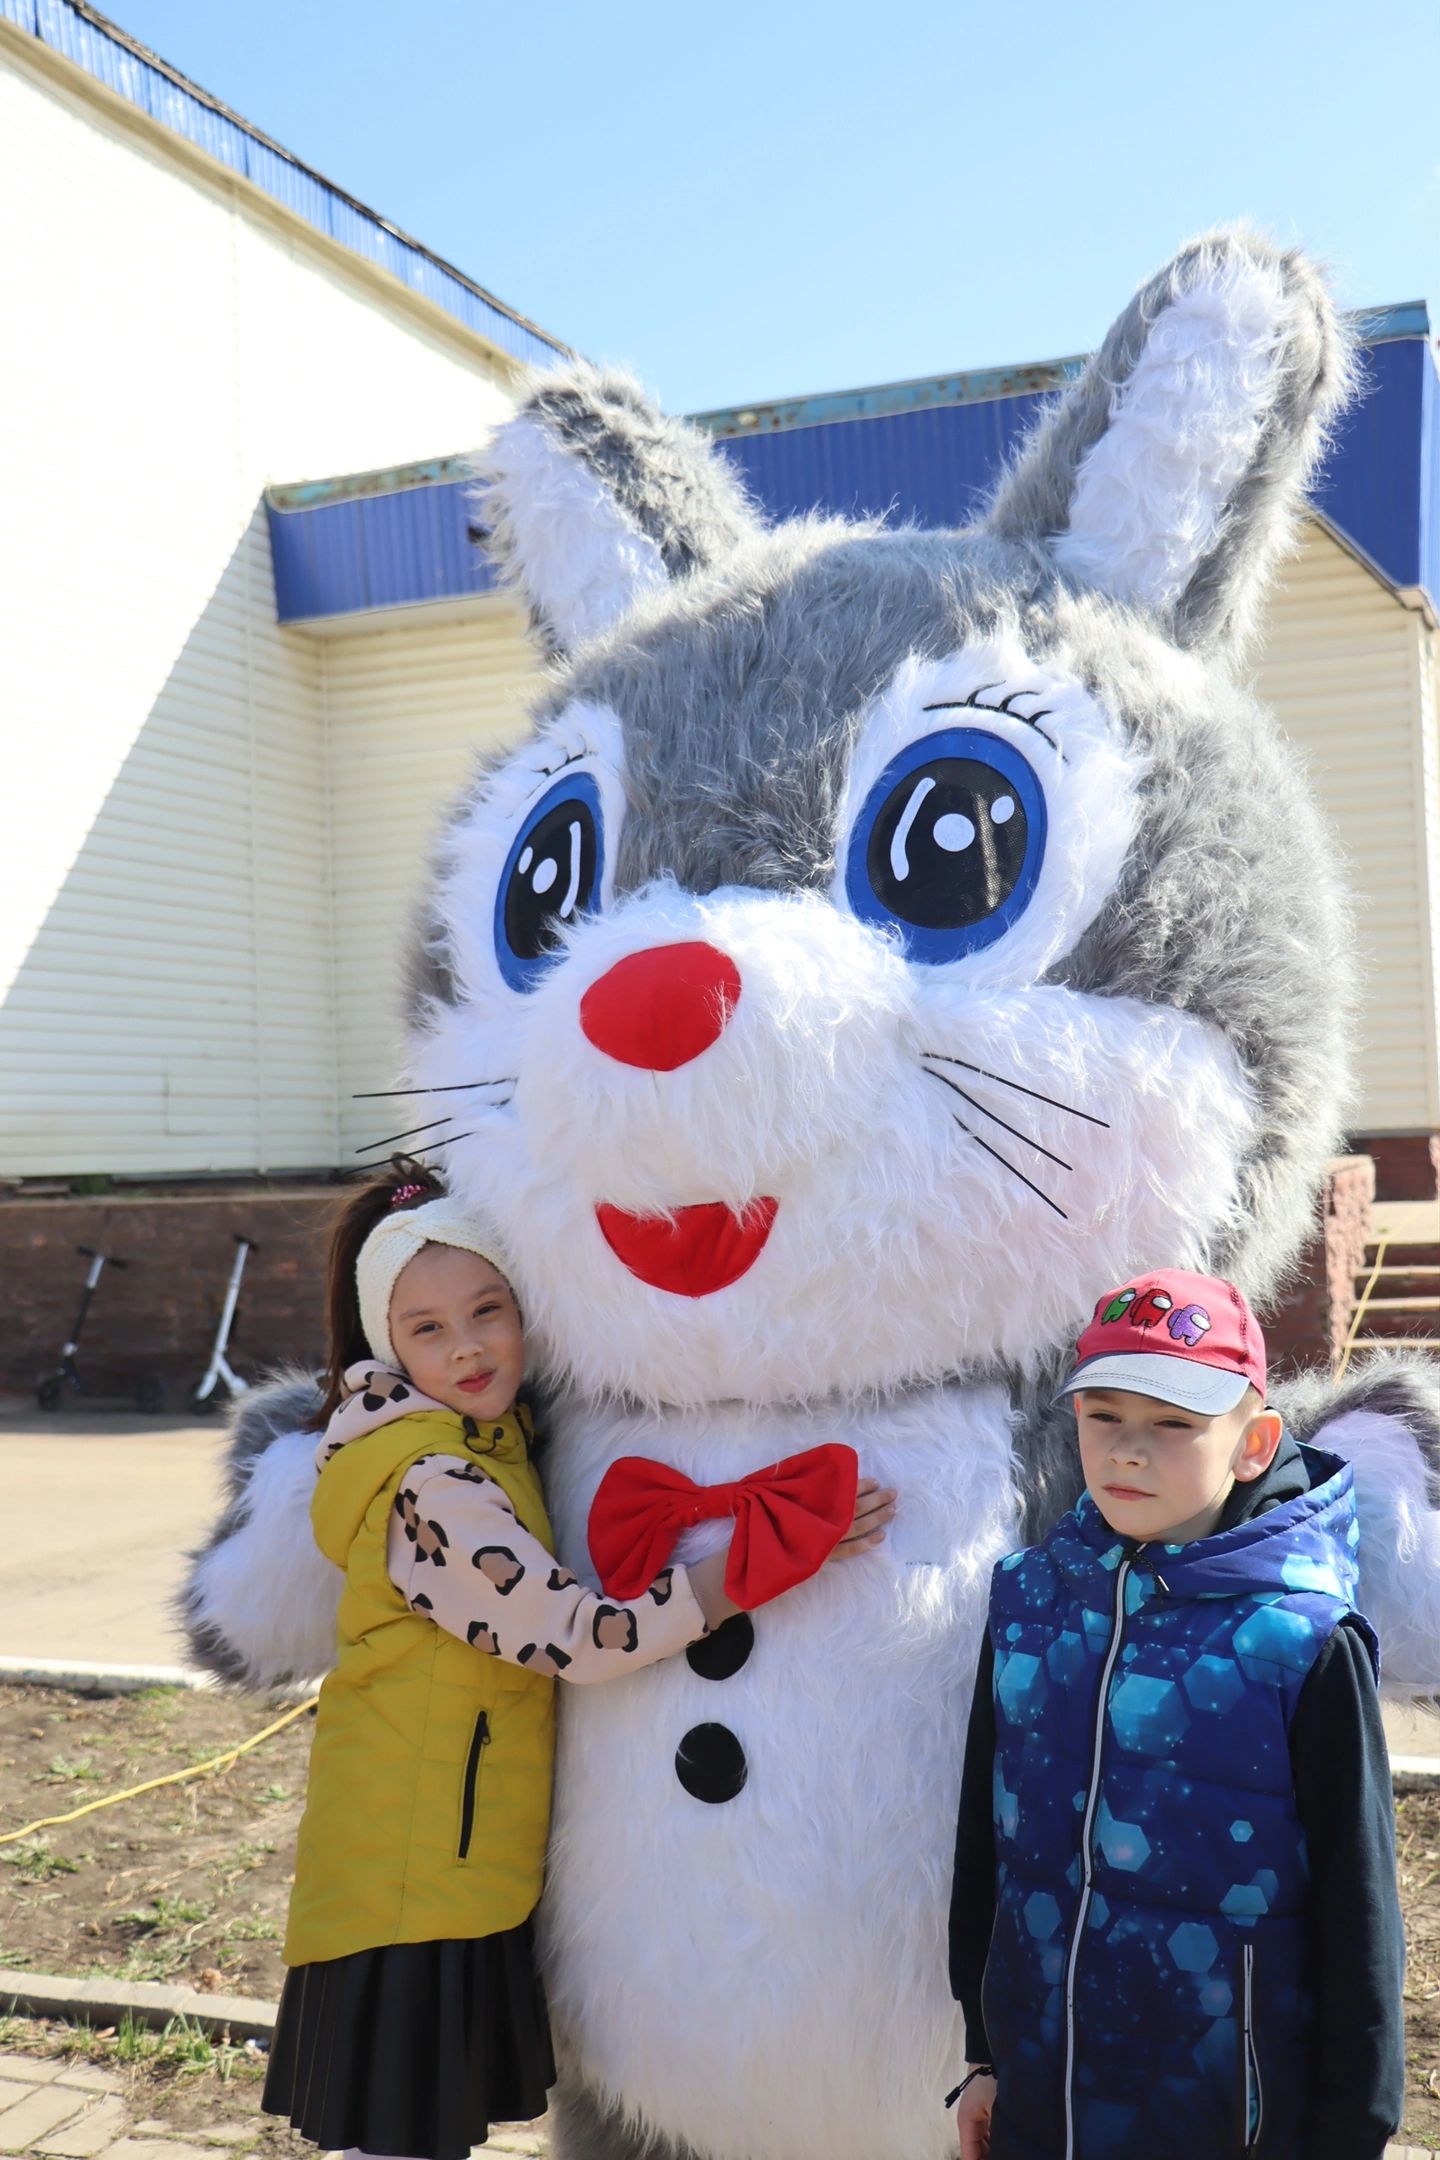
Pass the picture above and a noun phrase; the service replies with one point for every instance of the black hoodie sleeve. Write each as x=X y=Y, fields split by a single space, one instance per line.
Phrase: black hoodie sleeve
x=972 y=1894
x=1342 y=1789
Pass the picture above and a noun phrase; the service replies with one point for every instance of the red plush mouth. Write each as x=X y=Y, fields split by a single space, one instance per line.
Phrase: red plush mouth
x=693 y=1252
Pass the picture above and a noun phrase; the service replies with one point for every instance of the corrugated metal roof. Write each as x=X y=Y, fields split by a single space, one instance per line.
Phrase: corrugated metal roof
x=376 y=551
x=143 y=79
x=926 y=451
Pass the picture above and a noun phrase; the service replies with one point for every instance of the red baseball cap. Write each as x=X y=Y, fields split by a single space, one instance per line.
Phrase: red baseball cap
x=1186 y=1339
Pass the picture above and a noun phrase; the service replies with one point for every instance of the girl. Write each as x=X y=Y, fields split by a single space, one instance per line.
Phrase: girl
x=412 y=2015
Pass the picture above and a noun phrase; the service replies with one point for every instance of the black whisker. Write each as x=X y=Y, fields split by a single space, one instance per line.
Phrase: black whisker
x=996 y=1119
x=450 y=1139
x=1019 y=1087
x=1009 y=1166
x=371 y=1145
x=458 y=1087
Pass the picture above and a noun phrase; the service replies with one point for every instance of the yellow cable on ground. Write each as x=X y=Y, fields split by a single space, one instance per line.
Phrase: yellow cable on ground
x=176 y=1777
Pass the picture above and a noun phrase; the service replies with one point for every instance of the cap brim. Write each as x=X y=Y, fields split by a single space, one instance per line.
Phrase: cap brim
x=1203 y=1388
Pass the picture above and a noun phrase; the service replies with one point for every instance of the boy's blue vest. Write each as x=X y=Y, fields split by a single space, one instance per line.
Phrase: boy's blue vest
x=1145 y=1989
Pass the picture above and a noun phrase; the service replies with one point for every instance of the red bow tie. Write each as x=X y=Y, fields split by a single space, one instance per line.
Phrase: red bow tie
x=789 y=1518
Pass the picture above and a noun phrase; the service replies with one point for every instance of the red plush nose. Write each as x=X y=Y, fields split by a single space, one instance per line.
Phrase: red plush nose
x=658 y=1009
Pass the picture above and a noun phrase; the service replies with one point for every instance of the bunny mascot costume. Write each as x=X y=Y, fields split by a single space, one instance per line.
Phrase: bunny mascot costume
x=887 y=937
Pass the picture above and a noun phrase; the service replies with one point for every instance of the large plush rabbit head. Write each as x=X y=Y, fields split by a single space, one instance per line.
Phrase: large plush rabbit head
x=887 y=939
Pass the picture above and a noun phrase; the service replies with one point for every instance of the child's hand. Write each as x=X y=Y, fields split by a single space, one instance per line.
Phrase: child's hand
x=874 y=1507
x=972 y=2118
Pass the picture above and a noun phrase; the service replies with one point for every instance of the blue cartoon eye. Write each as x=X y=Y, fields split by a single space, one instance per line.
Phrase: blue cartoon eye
x=948 y=845
x=552 y=877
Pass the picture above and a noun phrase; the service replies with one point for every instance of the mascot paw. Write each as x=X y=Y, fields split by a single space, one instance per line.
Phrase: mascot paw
x=1384 y=1419
x=259 y=1602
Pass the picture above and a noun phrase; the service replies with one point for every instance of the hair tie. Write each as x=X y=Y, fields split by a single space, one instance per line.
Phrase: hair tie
x=406 y=1192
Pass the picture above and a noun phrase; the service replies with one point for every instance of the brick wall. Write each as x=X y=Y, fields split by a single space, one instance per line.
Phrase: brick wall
x=1407 y=1165
x=1309 y=1324
x=159 y=1314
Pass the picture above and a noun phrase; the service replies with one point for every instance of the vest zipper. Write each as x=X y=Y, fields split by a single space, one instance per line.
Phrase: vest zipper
x=479 y=1739
x=1122 y=1573
x=1254 y=2090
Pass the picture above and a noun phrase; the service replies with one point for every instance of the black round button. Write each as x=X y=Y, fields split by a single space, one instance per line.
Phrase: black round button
x=710 y=1763
x=717 y=1656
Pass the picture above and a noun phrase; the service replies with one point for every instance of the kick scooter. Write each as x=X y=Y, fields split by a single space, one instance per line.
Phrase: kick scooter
x=204 y=1396
x=149 y=1391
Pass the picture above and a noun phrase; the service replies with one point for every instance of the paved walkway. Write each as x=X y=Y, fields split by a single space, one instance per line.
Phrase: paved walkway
x=49 y=2109
x=120 y=1500
x=123 y=1498
x=73 y=2112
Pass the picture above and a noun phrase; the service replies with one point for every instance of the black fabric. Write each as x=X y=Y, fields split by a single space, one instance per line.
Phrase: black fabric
x=1341 y=1769
x=720 y=1654
x=710 y=1764
x=412 y=2049
x=1342 y=1789
x=972 y=1892
x=1286 y=1478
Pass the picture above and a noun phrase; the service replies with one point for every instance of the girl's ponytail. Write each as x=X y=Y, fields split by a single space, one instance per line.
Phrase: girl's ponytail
x=402 y=1184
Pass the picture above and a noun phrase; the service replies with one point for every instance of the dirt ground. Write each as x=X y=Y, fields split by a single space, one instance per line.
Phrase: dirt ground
x=189 y=1883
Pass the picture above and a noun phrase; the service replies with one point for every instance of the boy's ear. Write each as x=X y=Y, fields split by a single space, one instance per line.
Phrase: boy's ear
x=589 y=498
x=1263 y=1435
x=1172 y=474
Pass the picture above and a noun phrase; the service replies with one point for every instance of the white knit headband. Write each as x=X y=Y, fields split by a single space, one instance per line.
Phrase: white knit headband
x=397 y=1238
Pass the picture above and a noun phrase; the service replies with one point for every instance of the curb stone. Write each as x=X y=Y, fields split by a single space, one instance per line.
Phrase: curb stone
x=84 y=1676
x=106 y=2001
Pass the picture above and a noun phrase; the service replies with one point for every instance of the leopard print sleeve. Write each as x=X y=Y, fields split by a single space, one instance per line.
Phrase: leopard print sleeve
x=456 y=1553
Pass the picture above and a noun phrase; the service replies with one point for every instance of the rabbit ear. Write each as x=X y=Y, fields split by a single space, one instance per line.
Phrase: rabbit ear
x=1172 y=474
x=590 y=498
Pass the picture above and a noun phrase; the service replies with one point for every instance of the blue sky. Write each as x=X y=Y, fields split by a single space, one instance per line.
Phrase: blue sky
x=763 y=200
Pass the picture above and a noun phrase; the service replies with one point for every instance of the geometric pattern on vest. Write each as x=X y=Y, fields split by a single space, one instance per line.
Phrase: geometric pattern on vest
x=1152 y=2001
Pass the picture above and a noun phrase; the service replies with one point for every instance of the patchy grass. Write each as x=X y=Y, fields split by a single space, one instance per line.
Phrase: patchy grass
x=185 y=1884
x=190 y=1883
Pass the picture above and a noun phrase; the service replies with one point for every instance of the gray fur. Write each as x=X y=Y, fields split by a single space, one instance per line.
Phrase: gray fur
x=741 y=697
x=282 y=1404
x=581 y=2127
x=1384 y=1382
x=1219 y=604
x=1046 y=1445
x=660 y=474
x=740 y=704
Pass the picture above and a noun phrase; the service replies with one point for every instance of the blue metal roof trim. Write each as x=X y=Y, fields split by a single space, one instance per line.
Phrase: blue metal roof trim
x=1375 y=485
x=930 y=463
x=373 y=552
x=979 y=386
x=74 y=29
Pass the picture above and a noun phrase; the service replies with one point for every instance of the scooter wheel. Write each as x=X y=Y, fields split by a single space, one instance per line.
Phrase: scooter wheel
x=49 y=1392
x=149 y=1394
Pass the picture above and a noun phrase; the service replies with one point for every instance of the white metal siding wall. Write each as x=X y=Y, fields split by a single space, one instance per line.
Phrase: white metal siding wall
x=406 y=709
x=164 y=881
x=174 y=1008
x=1342 y=669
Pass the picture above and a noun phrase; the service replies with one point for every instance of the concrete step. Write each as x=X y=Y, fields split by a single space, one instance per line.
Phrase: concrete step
x=1404 y=1253
x=1389 y=1314
x=1406 y=1279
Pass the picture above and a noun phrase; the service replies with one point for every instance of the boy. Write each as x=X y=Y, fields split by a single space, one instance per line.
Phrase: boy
x=1175 y=1868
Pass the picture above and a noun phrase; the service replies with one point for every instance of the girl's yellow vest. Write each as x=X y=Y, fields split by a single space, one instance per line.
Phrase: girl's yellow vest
x=429 y=1795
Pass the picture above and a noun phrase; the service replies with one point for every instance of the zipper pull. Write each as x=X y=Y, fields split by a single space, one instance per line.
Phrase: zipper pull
x=1154 y=1569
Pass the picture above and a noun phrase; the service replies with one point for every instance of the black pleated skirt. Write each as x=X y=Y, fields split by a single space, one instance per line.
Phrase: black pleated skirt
x=415 y=2048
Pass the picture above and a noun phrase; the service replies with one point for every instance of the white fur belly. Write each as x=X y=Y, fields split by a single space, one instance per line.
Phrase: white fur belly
x=769 y=1973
